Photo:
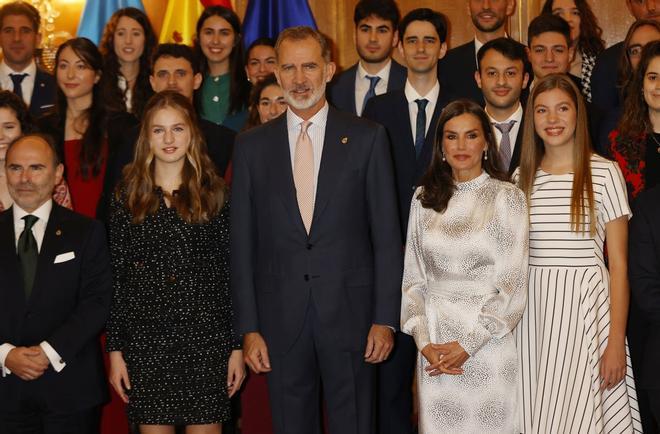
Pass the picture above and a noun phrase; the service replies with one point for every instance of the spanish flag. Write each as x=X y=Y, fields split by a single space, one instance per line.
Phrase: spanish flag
x=181 y=18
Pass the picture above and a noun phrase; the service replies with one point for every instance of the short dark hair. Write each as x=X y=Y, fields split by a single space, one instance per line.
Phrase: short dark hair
x=385 y=9
x=21 y=8
x=506 y=47
x=178 y=51
x=438 y=20
x=546 y=23
x=45 y=137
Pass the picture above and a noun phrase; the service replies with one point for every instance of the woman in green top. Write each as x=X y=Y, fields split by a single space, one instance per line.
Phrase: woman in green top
x=225 y=89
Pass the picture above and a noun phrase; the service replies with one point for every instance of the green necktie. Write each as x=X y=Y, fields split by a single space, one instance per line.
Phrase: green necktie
x=28 y=253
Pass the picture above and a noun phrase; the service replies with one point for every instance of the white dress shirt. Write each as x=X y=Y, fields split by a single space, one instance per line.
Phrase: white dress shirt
x=362 y=84
x=513 y=133
x=27 y=85
x=38 y=231
x=411 y=96
x=316 y=132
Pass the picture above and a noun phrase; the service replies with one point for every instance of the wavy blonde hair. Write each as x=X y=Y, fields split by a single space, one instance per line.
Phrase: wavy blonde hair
x=202 y=192
x=533 y=150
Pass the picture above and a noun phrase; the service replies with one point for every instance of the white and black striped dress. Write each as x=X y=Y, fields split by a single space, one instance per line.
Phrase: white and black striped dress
x=565 y=326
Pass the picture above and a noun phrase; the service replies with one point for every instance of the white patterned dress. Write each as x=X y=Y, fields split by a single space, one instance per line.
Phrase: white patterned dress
x=564 y=330
x=464 y=280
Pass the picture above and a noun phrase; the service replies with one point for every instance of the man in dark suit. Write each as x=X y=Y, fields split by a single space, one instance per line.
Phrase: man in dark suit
x=604 y=92
x=316 y=253
x=644 y=274
x=56 y=290
x=502 y=78
x=173 y=68
x=455 y=70
x=410 y=116
x=376 y=24
x=19 y=38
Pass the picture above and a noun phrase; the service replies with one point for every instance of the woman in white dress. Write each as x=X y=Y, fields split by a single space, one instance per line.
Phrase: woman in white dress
x=464 y=280
x=576 y=376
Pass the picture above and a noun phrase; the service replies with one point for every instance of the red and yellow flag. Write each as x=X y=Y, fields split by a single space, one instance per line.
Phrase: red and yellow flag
x=181 y=18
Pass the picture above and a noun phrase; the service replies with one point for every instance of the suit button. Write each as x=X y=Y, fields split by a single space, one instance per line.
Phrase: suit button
x=413 y=188
x=306 y=277
x=309 y=246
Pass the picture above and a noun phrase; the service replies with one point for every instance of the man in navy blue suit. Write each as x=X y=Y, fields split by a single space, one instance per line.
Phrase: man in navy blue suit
x=457 y=68
x=409 y=115
x=19 y=38
x=376 y=24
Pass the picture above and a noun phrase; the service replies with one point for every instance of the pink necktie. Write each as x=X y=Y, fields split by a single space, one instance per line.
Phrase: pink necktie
x=303 y=175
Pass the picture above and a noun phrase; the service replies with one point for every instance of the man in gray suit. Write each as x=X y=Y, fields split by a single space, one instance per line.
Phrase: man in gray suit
x=316 y=249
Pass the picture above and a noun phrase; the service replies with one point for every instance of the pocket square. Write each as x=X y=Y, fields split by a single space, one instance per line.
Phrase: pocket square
x=63 y=257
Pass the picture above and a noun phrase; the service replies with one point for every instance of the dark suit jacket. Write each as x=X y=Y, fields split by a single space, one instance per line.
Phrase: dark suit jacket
x=44 y=93
x=349 y=266
x=604 y=93
x=219 y=142
x=391 y=111
x=68 y=308
x=644 y=275
x=517 y=148
x=341 y=92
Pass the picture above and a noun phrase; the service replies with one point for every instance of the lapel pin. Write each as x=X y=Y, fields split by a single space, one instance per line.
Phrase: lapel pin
x=58 y=232
x=344 y=140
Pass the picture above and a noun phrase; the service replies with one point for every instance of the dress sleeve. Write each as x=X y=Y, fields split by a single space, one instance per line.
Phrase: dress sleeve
x=614 y=198
x=509 y=233
x=119 y=223
x=413 y=301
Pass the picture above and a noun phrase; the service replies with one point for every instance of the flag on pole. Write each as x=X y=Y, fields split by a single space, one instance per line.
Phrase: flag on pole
x=181 y=18
x=97 y=13
x=270 y=17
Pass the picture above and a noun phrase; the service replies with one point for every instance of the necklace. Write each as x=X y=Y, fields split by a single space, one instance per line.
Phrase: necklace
x=657 y=143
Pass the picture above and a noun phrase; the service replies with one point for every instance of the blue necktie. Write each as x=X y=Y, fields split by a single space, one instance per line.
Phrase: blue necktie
x=17 y=79
x=373 y=81
x=420 y=125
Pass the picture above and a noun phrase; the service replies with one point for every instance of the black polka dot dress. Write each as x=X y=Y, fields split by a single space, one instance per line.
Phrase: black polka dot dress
x=171 y=315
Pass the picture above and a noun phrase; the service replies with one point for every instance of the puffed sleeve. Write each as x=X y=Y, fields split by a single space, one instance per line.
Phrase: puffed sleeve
x=508 y=231
x=413 y=301
x=119 y=223
x=614 y=198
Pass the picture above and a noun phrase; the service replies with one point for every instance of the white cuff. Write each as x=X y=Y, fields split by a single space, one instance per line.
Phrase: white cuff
x=55 y=360
x=4 y=351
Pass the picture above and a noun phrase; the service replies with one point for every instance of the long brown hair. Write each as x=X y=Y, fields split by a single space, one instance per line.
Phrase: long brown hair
x=533 y=151
x=590 y=40
x=438 y=183
x=635 y=122
x=202 y=191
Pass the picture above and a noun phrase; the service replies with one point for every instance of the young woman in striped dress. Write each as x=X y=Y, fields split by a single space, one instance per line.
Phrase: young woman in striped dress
x=575 y=370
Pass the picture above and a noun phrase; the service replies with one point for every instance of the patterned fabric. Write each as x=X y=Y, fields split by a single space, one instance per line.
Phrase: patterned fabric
x=588 y=63
x=629 y=154
x=565 y=327
x=464 y=280
x=171 y=314
x=303 y=175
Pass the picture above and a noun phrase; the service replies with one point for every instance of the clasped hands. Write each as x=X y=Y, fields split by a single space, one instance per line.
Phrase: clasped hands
x=445 y=358
x=380 y=343
x=27 y=363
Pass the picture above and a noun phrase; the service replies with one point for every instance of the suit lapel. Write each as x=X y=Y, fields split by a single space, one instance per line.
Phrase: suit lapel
x=282 y=171
x=335 y=148
x=517 y=148
x=427 y=151
x=50 y=246
x=351 y=94
x=9 y=258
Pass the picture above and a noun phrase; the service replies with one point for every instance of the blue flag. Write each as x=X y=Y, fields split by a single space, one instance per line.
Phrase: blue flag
x=270 y=17
x=97 y=13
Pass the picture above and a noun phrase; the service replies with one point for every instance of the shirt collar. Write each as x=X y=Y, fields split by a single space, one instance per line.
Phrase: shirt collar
x=319 y=119
x=384 y=72
x=43 y=212
x=515 y=116
x=412 y=95
x=31 y=69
